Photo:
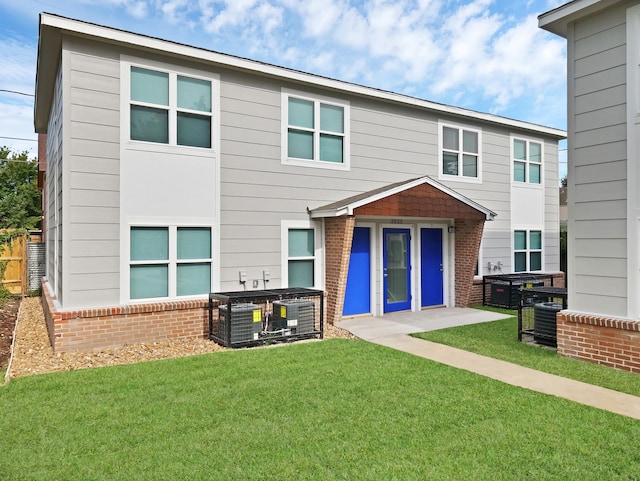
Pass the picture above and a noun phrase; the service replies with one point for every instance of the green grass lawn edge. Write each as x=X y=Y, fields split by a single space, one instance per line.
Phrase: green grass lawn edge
x=333 y=410
x=499 y=340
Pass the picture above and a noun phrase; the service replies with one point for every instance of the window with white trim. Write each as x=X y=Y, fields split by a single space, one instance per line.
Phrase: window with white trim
x=527 y=250
x=169 y=261
x=460 y=152
x=169 y=108
x=527 y=161
x=315 y=131
x=301 y=258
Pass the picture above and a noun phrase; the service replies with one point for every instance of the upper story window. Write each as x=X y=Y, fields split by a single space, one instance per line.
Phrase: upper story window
x=460 y=153
x=527 y=161
x=170 y=108
x=315 y=131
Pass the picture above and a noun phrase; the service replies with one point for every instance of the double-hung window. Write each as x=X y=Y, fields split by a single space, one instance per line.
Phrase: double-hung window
x=527 y=161
x=527 y=250
x=169 y=261
x=315 y=131
x=170 y=108
x=301 y=257
x=460 y=157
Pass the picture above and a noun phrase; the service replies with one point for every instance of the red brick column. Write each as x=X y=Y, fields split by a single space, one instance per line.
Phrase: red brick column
x=338 y=234
x=468 y=236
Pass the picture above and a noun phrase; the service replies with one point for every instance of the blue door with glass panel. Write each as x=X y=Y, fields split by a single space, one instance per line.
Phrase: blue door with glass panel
x=357 y=297
x=431 y=267
x=396 y=269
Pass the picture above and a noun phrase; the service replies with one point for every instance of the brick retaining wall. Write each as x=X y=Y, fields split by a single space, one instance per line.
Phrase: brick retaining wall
x=90 y=329
x=601 y=340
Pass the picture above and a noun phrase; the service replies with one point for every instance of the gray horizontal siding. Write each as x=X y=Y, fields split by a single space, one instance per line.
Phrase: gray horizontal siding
x=597 y=190
x=389 y=143
x=93 y=166
x=600 y=248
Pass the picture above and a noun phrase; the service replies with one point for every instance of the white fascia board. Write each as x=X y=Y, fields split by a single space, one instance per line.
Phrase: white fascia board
x=112 y=35
x=556 y=20
x=348 y=209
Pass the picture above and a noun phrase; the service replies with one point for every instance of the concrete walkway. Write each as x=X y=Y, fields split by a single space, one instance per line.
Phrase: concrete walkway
x=393 y=331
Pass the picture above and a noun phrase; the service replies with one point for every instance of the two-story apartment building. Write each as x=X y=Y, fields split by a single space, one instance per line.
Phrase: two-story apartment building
x=174 y=171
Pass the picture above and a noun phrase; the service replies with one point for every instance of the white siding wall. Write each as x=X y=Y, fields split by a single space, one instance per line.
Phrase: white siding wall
x=91 y=165
x=597 y=174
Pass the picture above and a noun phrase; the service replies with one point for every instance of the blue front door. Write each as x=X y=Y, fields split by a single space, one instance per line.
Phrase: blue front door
x=357 y=297
x=431 y=267
x=396 y=269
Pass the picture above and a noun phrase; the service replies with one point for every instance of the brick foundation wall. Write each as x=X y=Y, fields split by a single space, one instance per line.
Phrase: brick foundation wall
x=601 y=340
x=90 y=329
x=338 y=233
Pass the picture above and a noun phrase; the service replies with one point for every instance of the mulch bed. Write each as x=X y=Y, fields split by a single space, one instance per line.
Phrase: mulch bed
x=8 y=314
x=33 y=353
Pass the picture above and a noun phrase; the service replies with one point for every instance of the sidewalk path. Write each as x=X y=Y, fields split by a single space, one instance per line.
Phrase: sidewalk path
x=393 y=331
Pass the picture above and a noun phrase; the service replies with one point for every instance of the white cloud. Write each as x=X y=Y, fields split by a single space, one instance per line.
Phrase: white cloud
x=136 y=8
x=270 y=16
x=176 y=12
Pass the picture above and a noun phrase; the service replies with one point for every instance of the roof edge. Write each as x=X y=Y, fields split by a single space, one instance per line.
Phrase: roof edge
x=557 y=20
x=113 y=35
x=349 y=206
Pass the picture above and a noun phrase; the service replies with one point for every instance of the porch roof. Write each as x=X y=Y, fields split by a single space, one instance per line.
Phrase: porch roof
x=350 y=204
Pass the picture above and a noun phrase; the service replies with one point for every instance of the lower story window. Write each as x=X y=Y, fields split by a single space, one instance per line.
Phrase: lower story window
x=527 y=255
x=169 y=262
x=301 y=257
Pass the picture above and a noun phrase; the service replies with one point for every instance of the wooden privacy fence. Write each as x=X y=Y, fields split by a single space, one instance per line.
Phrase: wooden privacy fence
x=13 y=253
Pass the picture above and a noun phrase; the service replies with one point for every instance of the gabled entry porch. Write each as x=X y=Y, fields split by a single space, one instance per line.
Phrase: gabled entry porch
x=403 y=247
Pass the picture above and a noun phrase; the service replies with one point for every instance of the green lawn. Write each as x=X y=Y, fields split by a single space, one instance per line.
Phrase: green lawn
x=499 y=339
x=337 y=409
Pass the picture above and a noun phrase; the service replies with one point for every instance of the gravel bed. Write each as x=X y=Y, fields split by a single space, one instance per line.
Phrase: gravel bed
x=33 y=353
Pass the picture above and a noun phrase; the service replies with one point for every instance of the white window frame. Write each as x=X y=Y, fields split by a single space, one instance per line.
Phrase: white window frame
x=174 y=72
x=528 y=251
x=527 y=163
x=172 y=262
x=459 y=177
x=317 y=100
x=318 y=271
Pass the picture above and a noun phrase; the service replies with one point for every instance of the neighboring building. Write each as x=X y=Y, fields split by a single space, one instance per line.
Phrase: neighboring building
x=603 y=58
x=173 y=171
x=564 y=210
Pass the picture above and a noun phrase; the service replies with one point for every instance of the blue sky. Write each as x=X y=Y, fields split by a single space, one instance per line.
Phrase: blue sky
x=484 y=55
